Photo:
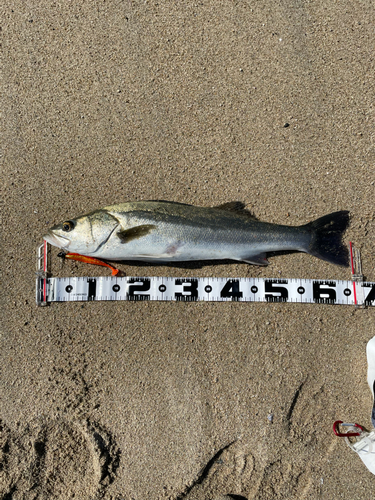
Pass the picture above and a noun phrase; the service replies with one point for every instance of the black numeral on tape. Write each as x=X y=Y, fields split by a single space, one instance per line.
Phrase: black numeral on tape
x=189 y=290
x=274 y=292
x=324 y=292
x=92 y=289
x=370 y=297
x=231 y=289
x=140 y=285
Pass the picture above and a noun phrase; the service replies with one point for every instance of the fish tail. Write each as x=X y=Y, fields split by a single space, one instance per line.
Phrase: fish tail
x=326 y=242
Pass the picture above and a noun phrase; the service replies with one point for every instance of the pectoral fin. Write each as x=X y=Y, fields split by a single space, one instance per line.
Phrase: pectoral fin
x=257 y=260
x=135 y=232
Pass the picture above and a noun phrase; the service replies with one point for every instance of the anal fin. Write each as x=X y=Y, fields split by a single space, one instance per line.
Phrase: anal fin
x=259 y=259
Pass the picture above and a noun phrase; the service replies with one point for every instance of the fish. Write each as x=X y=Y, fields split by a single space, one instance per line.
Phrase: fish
x=169 y=232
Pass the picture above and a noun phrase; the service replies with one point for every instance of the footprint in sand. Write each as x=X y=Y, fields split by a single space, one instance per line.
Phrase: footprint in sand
x=229 y=470
x=56 y=459
x=304 y=434
x=14 y=458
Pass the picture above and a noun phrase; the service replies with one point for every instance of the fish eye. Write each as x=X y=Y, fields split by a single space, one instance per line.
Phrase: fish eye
x=68 y=226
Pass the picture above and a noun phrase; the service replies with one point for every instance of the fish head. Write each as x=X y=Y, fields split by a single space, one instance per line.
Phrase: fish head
x=84 y=235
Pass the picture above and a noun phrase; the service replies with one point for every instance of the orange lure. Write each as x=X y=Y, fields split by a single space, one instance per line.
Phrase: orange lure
x=90 y=260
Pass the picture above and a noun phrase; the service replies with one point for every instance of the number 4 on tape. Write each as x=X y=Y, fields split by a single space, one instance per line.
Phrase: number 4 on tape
x=353 y=292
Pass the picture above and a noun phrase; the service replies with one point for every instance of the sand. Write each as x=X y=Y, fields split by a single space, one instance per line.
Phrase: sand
x=269 y=103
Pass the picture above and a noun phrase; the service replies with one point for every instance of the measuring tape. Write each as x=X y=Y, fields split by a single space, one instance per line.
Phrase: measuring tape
x=304 y=291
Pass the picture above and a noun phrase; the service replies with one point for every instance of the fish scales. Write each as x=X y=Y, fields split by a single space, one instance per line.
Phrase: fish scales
x=204 y=234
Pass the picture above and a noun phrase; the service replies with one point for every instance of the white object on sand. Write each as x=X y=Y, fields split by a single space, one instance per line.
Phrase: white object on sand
x=370 y=351
x=365 y=446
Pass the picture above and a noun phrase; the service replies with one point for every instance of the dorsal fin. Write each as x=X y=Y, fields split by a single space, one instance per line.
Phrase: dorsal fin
x=236 y=206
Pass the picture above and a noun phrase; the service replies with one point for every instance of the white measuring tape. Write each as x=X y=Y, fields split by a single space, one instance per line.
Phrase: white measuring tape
x=304 y=291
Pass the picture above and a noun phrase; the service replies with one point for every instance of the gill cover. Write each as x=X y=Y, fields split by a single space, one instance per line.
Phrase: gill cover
x=85 y=234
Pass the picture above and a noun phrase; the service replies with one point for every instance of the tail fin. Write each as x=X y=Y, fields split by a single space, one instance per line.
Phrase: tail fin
x=326 y=242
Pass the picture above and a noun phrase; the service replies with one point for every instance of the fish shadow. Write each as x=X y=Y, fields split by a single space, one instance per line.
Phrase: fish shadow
x=200 y=264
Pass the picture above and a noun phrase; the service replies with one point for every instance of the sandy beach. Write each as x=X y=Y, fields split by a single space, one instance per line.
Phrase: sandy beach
x=203 y=102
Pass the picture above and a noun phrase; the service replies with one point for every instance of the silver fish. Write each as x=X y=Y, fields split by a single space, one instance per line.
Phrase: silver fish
x=161 y=231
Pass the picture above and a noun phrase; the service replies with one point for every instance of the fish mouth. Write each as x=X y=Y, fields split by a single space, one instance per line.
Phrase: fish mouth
x=57 y=241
